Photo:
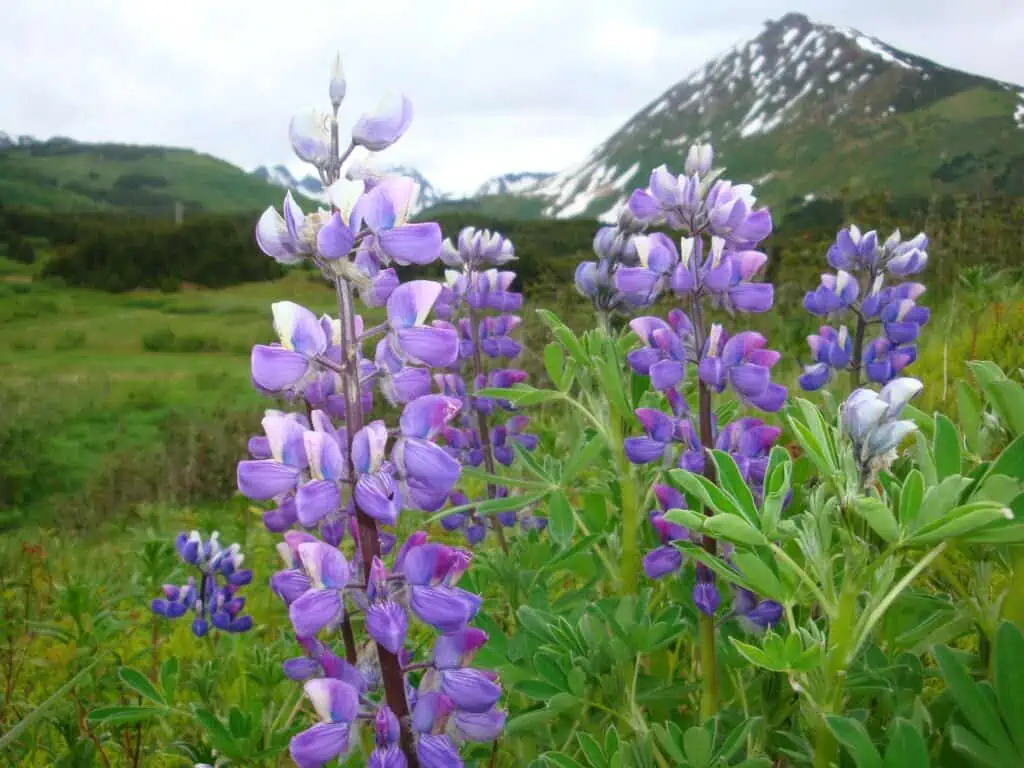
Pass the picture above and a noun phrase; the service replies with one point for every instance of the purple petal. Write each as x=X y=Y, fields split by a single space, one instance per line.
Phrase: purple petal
x=470 y=689
x=643 y=205
x=264 y=479
x=335 y=239
x=412 y=244
x=662 y=561
x=315 y=500
x=435 y=346
x=379 y=496
x=436 y=752
x=382 y=128
x=749 y=380
x=425 y=417
x=483 y=726
x=752 y=297
x=302 y=668
x=643 y=450
x=315 y=610
x=427 y=462
x=410 y=303
x=319 y=745
x=387 y=624
x=445 y=608
x=666 y=374
x=289 y=585
x=275 y=368
x=454 y=649
x=772 y=400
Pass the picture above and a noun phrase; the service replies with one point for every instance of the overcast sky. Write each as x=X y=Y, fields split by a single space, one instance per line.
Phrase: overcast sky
x=497 y=85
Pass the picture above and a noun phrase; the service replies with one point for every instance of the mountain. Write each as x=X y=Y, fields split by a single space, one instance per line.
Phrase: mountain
x=311 y=188
x=809 y=110
x=60 y=174
x=524 y=183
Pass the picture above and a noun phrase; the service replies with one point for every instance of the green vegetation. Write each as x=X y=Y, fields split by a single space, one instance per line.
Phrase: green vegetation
x=66 y=175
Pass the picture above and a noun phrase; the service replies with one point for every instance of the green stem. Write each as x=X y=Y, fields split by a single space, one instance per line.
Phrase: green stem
x=841 y=637
x=710 y=692
x=629 y=573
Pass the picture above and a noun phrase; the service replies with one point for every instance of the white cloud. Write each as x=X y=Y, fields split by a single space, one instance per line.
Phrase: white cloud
x=497 y=86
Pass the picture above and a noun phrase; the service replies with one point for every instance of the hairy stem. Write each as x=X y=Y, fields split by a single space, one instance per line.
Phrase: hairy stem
x=711 y=690
x=484 y=428
x=369 y=541
x=856 y=362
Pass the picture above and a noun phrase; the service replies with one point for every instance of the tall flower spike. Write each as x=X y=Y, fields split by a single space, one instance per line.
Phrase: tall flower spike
x=335 y=480
x=714 y=267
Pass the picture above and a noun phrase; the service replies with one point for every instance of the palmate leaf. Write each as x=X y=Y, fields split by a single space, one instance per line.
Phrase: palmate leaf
x=1004 y=395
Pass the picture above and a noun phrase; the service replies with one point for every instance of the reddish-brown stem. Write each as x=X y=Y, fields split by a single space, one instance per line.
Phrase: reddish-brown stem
x=369 y=540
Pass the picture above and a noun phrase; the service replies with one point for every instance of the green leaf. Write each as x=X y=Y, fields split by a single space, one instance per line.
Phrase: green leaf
x=977 y=708
x=521 y=394
x=554 y=363
x=584 y=456
x=565 y=336
x=822 y=434
x=125 y=715
x=855 y=738
x=965 y=741
x=698 y=553
x=969 y=408
x=1008 y=674
x=590 y=747
x=734 y=529
x=697 y=746
x=218 y=736
x=561 y=523
x=1005 y=395
x=946 y=447
x=910 y=499
x=810 y=446
x=529 y=722
x=708 y=493
x=531 y=463
x=1011 y=461
x=731 y=480
x=139 y=683
x=959 y=522
x=536 y=689
x=940 y=499
x=878 y=515
x=609 y=372
x=43 y=708
x=561 y=760
x=169 y=677
x=759 y=574
x=907 y=748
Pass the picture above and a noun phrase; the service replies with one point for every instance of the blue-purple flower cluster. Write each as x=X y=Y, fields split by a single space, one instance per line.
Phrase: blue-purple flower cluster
x=334 y=478
x=713 y=267
x=214 y=599
x=858 y=287
x=476 y=285
x=452 y=701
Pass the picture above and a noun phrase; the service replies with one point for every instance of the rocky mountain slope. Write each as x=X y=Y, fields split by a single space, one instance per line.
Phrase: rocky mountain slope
x=807 y=110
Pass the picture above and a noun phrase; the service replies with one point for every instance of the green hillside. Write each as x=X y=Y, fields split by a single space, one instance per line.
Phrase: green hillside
x=65 y=175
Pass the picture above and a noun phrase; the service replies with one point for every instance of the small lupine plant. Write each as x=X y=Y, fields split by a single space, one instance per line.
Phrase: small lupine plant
x=858 y=288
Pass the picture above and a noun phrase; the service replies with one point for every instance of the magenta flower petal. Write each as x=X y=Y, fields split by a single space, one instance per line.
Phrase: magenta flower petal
x=264 y=479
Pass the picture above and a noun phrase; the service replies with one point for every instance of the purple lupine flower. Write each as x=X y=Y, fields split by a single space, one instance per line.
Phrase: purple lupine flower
x=214 y=599
x=755 y=615
x=337 y=705
x=322 y=604
x=862 y=265
x=871 y=420
x=340 y=483
x=745 y=365
x=669 y=347
x=666 y=558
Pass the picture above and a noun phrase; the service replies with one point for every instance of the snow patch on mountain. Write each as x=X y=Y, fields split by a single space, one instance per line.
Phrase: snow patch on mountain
x=523 y=183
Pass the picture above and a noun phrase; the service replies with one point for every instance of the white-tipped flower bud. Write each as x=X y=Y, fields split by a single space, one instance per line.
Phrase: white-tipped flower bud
x=337 y=89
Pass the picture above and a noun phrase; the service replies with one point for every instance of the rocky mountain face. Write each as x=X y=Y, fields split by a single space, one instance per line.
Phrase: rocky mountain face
x=805 y=110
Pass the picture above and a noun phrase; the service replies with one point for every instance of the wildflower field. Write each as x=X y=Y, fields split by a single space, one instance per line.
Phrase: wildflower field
x=643 y=517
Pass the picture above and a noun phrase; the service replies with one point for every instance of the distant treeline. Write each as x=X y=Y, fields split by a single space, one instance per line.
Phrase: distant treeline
x=119 y=253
